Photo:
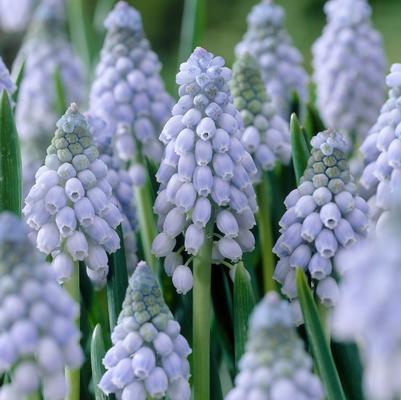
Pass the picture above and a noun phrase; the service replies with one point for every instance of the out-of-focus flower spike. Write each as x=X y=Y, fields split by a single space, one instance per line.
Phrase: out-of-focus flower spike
x=280 y=62
x=149 y=356
x=6 y=82
x=38 y=337
x=275 y=365
x=87 y=216
x=321 y=218
x=349 y=68
x=15 y=15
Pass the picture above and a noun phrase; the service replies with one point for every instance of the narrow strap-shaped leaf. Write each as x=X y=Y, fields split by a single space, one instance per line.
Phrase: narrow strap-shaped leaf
x=295 y=104
x=313 y=123
x=192 y=23
x=97 y=354
x=306 y=138
x=244 y=301
x=300 y=152
x=216 y=392
x=117 y=281
x=318 y=342
x=10 y=159
x=18 y=80
x=60 y=99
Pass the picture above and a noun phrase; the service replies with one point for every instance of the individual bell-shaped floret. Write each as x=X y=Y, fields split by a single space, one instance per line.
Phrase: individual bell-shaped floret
x=71 y=206
x=45 y=52
x=121 y=185
x=38 y=336
x=349 y=68
x=275 y=365
x=148 y=359
x=128 y=90
x=206 y=173
x=15 y=14
x=280 y=62
x=266 y=135
x=381 y=178
x=368 y=310
x=6 y=82
x=323 y=215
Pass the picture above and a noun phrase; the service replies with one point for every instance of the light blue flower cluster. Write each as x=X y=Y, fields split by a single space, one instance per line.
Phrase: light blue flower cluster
x=15 y=14
x=280 y=62
x=70 y=206
x=381 y=177
x=6 y=82
x=323 y=215
x=275 y=365
x=349 y=68
x=206 y=173
x=38 y=336
x=368 y=310
x=45 y=51
x=266 y=136
x=128 y=92
x=148 y=359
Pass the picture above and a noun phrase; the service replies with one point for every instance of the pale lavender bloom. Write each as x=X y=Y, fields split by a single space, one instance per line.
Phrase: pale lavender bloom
x=324 y=214
x=38 y=336
x=128 y=92
x=368 y=308
x=6 y=82
x=206 y=173
x=349 y=68
x=45 y=50
x=74 y=215
x=280 y=62
x=15 y=15
x=275 y=364
x=148 y=358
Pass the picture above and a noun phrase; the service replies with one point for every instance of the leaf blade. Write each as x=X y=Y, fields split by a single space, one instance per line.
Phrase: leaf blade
x=300 y=152
x=97 y=354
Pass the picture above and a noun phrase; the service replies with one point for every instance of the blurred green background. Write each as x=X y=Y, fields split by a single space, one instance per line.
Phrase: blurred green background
x=225 y=23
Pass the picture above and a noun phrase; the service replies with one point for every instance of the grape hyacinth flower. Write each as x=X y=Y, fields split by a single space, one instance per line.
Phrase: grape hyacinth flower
x=148 y=359
x=70 y=206
x=280 y=62
x=275 y=365
x=206 y=173
x=128 y=92
x=38 y=338
x=15 y=14
x=121 y=185
x=349 y=68
x=266 y=135
x=45 y=51
x=381 y=177
x=323 y=215
x=369 y=304
x=6 y=82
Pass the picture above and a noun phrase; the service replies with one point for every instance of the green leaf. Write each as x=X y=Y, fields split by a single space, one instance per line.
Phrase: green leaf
x=216 y=392
x=318 y=342
x=10 y=160
x=60 y=98
x=20 y=77
x=244 y=301
x=117 y=281
x=295 y=104
x=313 y=122
x=300 y=152
x=192 y=24
x=97 y=354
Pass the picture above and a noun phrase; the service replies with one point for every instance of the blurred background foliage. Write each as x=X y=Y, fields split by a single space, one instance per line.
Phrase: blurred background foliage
x=225 y=23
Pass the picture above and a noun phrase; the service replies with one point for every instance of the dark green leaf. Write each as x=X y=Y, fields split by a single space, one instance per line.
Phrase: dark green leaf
x=244 y=301
x=117 y=281
x=300 y=152
x=10 y=159
x=295 y=104
x=318 y=342
x=60 y=96
x=313 y=122
x=18 y=81
x=97 y=354
x=216 y=392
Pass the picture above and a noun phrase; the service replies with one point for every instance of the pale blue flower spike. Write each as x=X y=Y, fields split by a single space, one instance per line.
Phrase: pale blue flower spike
x=71 y=205
x=323 y=215
x=38 y=336
x=128 y=92
x=149 y=356
x=15 y=15
x=357 y=76
x=206 y=173
x=280 y=62
x=275 y=364
x=45 y=49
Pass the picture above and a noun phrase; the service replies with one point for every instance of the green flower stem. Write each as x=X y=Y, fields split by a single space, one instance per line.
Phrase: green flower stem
x=265 y=233
x=34 y=396
x=202 y=309
x=72 y=287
